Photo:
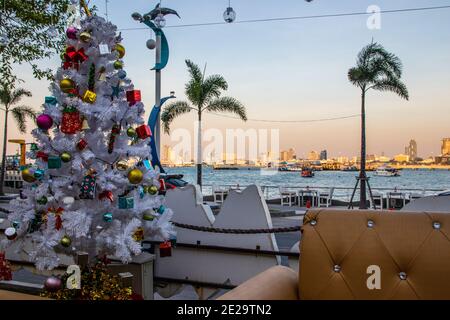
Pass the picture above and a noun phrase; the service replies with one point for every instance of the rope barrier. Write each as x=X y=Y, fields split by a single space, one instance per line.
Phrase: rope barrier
x=236 y=231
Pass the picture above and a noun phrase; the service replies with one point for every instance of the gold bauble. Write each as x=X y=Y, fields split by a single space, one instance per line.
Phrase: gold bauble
x=65 y=241
x=153 y=190
x=85 y=37
x=148 y=215
x=131 y=132
x=135 y=176
x=122 y=165
x=120 y=49
x=118 y=65
x=138 y=234
x=66 y=85
x=28 y=176
x=65 y=157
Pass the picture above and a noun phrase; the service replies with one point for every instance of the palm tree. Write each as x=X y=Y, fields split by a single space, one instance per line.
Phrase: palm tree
x=204 y=95
x=8 y=99
x=376 y=69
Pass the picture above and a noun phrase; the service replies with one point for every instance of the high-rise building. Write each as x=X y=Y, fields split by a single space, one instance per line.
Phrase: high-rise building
x=445 y=149
x=287 y=155
x=313 y=156
x=323 y=155
x=411 y=150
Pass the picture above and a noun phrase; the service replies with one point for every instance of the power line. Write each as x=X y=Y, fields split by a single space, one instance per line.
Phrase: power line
x=289 y=121
x=334 y=15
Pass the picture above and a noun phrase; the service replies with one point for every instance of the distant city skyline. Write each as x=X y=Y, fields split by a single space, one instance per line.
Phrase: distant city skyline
x=295 y=70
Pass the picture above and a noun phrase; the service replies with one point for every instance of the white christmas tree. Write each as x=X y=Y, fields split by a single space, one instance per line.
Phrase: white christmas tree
x=91 y=187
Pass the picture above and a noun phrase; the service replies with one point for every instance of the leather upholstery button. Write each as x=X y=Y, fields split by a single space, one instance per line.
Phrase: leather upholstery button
x=402 y=275
x=436 y=225
x=313 y=222
x=337 y=268
x=370 y=224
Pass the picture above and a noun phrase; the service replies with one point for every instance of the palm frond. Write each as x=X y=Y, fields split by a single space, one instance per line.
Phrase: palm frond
x=21 y=114
x=393 y=85
x=193 y=88
x=227 y=104
x=172 y=111
x=18 y=94
x=213 y=86
x=5 y=95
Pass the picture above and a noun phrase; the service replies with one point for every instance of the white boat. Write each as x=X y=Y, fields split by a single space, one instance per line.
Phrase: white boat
x=387 y=172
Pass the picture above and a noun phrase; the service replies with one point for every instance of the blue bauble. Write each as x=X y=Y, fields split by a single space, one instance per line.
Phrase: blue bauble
x=122 y=74
x=16 y=224
x=38 y=174
x=161 y=209
x=108 y=217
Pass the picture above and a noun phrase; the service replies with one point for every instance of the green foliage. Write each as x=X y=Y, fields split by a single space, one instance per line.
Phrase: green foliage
x=25 y=24
x=91 y=81
x=204 y=95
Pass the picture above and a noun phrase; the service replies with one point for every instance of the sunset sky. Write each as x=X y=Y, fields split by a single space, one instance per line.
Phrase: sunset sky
x=297 y=69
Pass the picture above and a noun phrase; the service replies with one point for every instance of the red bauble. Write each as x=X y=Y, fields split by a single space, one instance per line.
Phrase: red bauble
x=71 y=122
x=143 y=131
x=52 y=284
x=82 y=144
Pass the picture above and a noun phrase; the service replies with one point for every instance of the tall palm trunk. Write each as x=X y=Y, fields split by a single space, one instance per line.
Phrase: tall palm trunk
x=199 y=149
x=3 y=168
x=362 y=173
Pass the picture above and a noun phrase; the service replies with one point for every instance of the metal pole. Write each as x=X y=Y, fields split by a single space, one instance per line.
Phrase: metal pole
x=157 y=132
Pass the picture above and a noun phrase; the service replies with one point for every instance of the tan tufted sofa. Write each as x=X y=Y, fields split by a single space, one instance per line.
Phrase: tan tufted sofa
x=411 y=249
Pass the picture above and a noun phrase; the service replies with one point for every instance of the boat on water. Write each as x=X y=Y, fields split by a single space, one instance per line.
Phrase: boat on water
x=349 y=169
x=307 y=173
x=387 y=172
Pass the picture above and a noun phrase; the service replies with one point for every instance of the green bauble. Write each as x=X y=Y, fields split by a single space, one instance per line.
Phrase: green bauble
x=118 y=65
x=65 y=241
x=66 y=157
x=153 y=190
x=43 y=200
x=131 y=132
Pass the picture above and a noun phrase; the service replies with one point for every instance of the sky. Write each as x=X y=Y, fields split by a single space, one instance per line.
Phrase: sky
x=296 y=69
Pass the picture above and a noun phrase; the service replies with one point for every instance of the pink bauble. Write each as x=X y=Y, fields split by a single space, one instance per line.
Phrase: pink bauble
x=52 y=284
x=44 y=121
x=71 y=33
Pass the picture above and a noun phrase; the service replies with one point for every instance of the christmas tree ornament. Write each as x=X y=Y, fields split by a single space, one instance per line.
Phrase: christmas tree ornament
x=122 y=74
x=71 y=33
x=115 y=131
x=135 y=176
x=65 y=241
x=71 y=121
x=34 y=147
x=118 y=65
x=85 y=125
x=133 y=96
x=54 y=162
x=107 y=194
x=81 y=144
x=28 y=175
x=108 y=217
x=89 y=96
x=52 y=284
x=138 y=234
x=44 y=122
x=68 y=200
x=10 y=233
x=66 y=157
x=143 y=131
x=42 y=155
x=36 y=222
x=148 y=215
x=121 y=165
x=57 y=212
x=51 y=100
x=151 y=44
x=102 y=74
x=120 y=49
x=38 y=173
x=85 y=37
x=147 y=164
x=115 y=91
x=67 y=85
x=88 y=186
x=42 y=200
x=165 y=249
x=161 y=209
x=131 y=132
x=15 y=224
x=153 y=190
x=5 y=268
x=126 y=202
x=103 y=48
x=73 y=57
x=91 y=79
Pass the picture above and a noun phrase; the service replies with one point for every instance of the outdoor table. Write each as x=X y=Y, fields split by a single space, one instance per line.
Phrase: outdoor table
x=304 y=193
